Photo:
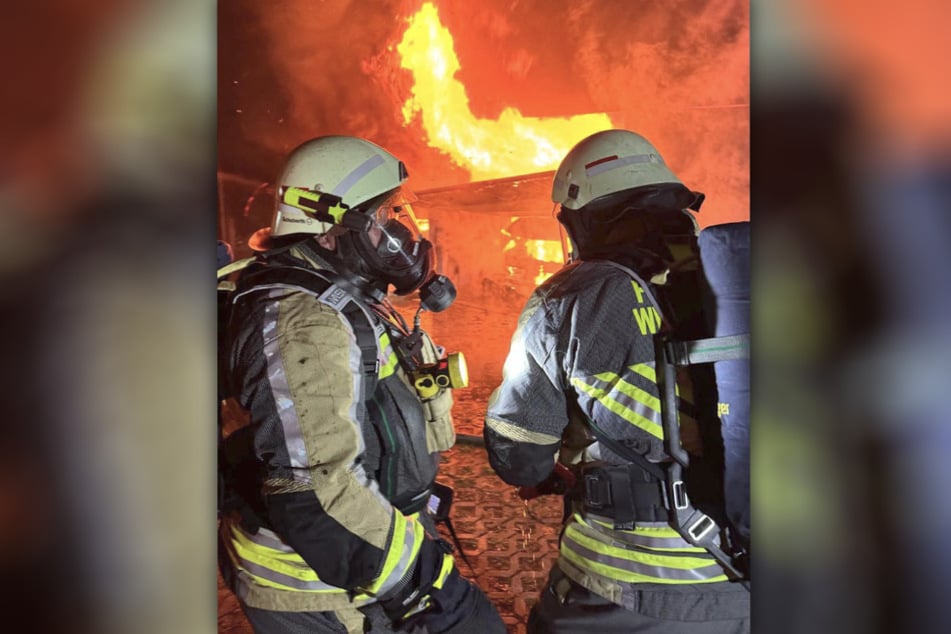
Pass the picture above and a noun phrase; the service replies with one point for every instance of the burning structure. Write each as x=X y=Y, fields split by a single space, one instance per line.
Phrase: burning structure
x=482 y=137
x=482 y=102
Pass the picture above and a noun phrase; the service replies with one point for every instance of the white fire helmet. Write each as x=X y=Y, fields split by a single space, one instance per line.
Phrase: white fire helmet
x=605 y=163
x=330 y=174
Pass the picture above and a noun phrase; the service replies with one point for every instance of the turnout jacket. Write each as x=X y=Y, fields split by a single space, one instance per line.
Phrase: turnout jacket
x=584 y=350
x=344 y=472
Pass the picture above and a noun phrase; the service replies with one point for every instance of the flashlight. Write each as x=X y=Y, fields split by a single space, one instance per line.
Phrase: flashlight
x=325 y=207
x=448 y=372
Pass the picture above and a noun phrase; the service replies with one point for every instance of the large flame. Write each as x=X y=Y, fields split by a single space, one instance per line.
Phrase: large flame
x=488 y=148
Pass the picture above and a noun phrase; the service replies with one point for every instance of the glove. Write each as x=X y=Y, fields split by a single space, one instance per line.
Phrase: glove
x=559 y=482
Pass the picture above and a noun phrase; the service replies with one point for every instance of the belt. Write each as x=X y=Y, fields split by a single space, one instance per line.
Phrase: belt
x=626 y=494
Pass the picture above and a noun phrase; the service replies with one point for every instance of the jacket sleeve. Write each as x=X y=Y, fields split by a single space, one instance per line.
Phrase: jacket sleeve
x=612 y=371
x=527 y=414
x=330 y=512
x=590 y=350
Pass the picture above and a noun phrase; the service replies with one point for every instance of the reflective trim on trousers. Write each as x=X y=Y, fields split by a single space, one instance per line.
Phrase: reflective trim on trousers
x=267 y=537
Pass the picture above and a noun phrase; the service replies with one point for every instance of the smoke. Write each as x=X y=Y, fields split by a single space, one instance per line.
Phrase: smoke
x=296 y=69
x=681 y=78
x=677 y=74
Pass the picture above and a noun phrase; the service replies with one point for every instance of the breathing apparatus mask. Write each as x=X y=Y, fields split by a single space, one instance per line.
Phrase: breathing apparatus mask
x=381 y=242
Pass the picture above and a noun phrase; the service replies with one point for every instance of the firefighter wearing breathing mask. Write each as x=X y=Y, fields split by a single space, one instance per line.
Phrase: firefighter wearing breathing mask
x=334 y=536
x=579 y=409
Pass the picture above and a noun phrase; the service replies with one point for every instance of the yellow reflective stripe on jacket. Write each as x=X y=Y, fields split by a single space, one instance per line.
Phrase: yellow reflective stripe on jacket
x=277 y=567
x=647 y=371
x=607 y=558
x=401 y=554
x=427 y=601
x=447 y=565
x=274 y=564
x=388 y=360
x=660 y=538
x=627 y=401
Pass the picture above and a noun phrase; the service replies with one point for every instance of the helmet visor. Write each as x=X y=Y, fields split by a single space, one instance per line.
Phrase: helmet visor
x=394 y=231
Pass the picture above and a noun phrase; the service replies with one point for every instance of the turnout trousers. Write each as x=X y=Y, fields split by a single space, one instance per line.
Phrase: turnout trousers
x=713 y=608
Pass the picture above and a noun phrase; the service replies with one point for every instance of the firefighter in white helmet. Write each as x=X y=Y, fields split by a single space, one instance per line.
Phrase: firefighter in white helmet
x=579 y=410
x=324 y=524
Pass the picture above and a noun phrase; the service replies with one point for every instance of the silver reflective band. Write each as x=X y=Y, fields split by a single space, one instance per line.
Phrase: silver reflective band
x=621 y=162
x=406 y=559
x=268 y=538
x=286 y=411
x=274 y=576
x=599 y=532
x=656 y=572
x=354 y=177
x=614 y=390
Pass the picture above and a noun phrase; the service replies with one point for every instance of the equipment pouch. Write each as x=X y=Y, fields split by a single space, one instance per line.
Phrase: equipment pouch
x=440 y=433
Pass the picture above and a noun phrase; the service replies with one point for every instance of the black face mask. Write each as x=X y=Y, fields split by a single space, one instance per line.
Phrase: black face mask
x=401 y=257
x=398 y=259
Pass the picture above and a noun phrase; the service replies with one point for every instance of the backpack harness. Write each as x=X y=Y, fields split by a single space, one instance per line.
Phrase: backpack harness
x=615 y=488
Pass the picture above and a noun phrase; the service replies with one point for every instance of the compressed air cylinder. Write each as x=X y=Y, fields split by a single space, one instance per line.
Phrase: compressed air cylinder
x=725 y=253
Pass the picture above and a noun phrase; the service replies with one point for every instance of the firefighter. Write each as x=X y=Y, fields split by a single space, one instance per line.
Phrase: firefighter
x=331 y=533
x=579 y=406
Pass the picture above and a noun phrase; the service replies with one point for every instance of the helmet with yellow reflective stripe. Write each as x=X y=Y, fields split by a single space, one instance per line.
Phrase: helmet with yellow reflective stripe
x=324 y=178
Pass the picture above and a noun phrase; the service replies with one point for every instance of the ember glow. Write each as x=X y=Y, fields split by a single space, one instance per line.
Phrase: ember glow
x=488 y=148
x=544 y=250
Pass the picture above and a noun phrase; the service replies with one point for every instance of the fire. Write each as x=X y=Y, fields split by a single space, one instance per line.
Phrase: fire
x=488 y=148
x=544 y=250
x=542 y=275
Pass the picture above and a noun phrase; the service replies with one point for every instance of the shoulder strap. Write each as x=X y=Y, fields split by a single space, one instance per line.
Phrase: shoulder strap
x=322 y=284
x=697 y=351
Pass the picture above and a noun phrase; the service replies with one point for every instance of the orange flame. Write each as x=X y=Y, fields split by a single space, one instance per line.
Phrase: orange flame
x=542 y=275
x=544 y=250
x=488 y=148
